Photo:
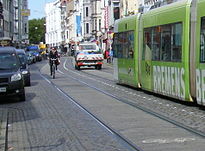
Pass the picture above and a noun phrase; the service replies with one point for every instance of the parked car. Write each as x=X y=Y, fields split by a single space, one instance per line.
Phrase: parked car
x=11 y=79
x=37 y=55
x=24 y=66
x=31 y=57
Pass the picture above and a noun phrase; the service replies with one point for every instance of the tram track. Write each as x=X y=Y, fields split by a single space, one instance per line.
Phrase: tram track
x=107 y=127
x=135 y=105
x=82 y=70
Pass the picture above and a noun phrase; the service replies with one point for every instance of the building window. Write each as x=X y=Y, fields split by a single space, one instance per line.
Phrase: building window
x=116 y=13
x=25 y=25
x=87 y=28
x=99 y=24
x=95 y=24
x=86 y=12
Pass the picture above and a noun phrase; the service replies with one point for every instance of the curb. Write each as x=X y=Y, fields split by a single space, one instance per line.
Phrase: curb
x=3 y=129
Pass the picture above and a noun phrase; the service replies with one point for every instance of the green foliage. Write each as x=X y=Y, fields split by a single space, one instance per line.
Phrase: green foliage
x=37 y=31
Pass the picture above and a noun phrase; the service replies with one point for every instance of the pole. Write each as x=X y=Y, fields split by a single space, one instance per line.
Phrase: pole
x=19 y=22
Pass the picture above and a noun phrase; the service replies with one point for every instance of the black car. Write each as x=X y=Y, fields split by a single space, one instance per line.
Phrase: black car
x=11 y=79
x=24 y=66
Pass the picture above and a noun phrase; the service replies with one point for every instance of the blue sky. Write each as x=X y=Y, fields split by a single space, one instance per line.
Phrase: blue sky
x=37 y=8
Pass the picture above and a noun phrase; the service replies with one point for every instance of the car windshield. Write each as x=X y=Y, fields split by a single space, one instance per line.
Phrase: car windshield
x=8 y=61
x=22 y=58
x=28 y=53
x=87 y=47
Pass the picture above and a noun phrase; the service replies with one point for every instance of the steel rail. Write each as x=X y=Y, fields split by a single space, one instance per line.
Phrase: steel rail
x=130 y=102
x=130 y=145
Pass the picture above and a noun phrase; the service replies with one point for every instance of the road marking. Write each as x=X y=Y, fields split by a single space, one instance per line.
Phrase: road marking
x=45 y=79
x=60 y=72
x=168 y=140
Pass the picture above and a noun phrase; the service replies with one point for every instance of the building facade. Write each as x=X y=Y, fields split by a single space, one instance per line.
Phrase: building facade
x=87 y=25
x=14 y=21
x=87 y=20
x=53 y=35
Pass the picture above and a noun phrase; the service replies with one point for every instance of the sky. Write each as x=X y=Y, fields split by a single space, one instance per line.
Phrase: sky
x=37 y=8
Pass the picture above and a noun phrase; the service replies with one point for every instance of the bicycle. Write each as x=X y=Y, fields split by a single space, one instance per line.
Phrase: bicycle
x=53 y=68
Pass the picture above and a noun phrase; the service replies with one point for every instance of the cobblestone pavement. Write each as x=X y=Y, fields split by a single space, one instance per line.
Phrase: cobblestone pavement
x=174 y=110
x=185 y=113
x=48 y=121
x=3 y=127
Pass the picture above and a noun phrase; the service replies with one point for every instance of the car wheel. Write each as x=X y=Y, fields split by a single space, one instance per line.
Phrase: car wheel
x=99 y=67
x=28 y=83
x=22 y=96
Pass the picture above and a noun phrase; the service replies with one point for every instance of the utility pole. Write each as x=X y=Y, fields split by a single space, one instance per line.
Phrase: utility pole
x=19 y=22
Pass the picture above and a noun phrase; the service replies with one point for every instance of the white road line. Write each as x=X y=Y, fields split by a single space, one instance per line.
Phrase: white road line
x=104 y=83
x=45 y=79
x=60 y=72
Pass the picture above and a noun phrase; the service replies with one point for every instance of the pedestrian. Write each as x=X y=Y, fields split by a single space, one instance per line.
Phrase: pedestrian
x=111 y=56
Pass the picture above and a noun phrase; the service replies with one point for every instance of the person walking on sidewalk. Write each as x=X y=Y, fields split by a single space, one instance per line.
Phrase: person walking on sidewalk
x=111 y=56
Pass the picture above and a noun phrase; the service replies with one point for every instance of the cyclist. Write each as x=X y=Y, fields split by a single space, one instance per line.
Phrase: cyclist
x=53 y=55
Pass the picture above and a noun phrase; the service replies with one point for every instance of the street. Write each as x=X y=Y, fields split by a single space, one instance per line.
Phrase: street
x=87 y=111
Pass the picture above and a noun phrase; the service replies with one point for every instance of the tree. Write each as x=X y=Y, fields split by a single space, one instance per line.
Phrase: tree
x=37 y=31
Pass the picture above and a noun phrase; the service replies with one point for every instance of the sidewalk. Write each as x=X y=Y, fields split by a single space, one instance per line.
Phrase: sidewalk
x=108 y=64
x=3 y=126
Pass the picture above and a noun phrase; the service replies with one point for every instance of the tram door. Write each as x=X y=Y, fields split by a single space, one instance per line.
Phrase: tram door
x=146 y=61
x=200 y=60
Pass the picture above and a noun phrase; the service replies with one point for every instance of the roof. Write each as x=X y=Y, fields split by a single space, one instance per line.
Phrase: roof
x=32 y=47
x=7 y=50
x=20 y=51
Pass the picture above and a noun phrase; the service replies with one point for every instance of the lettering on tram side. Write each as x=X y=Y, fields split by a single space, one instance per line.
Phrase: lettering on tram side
x=169 y=81
x=200 y=86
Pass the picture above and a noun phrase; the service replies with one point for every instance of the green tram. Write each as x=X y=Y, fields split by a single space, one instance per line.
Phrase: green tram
x=163 y=50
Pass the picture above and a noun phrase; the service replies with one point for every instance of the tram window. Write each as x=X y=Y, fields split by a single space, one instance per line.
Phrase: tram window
x=120 y=46
x=163 y=43
x=156 y=43
x=165 y=53
x=202 y=41
x=146 y=55
x=177 y=42
x=123 y=44
x=115 y=44
x=130 y=44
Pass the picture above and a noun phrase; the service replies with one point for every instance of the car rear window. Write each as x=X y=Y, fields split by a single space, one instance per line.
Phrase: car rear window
x=87 y=47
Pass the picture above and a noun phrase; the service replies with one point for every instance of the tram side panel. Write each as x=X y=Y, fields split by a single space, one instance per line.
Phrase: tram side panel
x=200 y=53
x=125 y=44
x=165 y=53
